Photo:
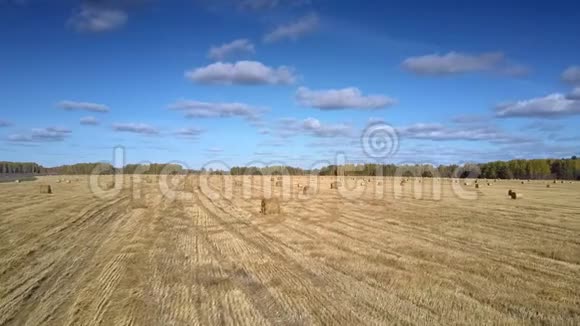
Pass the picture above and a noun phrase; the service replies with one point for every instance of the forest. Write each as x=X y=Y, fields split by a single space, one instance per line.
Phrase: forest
x=565 y=169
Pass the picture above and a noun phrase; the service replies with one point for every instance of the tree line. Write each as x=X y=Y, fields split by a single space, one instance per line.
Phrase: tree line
x=89 y=168
x=20 y=168
x=153 y=168
x=565 y=169
x=269 y=170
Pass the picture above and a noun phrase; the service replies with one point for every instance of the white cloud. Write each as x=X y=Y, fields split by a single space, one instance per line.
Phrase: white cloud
x=196 y=109
x=313 y=127
x=420 y=129
x=240 y=46
x=567 y=139
x=544 y=126
x=373 y=120
x=572 y=75
x=259 y=4
x=574 y=94
x=515 y=70
x=337 y=99
x=551 y=106
x=93 y=19
x=189 y=132
x=42 y=135
x=241 y=73
x=138 y=128
x=259 y=153
x=274 y=143
x=469 y=119
x=214 y=150
x=457 y=63
x=438 y=132
x=295 y=30
x=89 y=121
x=84 y=106
x=532 y=150
x=270 y=4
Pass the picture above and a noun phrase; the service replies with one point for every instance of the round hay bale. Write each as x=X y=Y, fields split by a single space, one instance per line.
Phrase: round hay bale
x=270 y=206
x=510 y=192
x=16 y=181
x=278 y=184
x=477 y=185
x=562 y=181
x=109 y=185
x=68 y=181
x=548 y=185
x=515 y=195
x=306 y=190
x=335 y=185
x=489 y=184
x=523 y=182
x=466 y=183
x=45 y=189
x=379 y=183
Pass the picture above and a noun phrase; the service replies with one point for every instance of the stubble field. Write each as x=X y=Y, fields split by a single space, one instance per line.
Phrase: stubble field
x=366 y=254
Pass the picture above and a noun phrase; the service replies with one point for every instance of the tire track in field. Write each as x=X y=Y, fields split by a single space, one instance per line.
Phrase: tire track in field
x=329 y=234
x=217 y=276
x=132 y=302
x=270 y=307
x=370 y=307
x=51 y=270
x=112 y=292
x=313 y=284
x=57 y=234
x=187 y=283
x=170 y=275
x=255 y=290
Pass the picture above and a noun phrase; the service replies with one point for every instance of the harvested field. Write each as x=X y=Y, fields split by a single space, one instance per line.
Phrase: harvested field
x=367 y=254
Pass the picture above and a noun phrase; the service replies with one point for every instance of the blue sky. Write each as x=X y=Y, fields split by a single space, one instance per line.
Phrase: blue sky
x=288 y=81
